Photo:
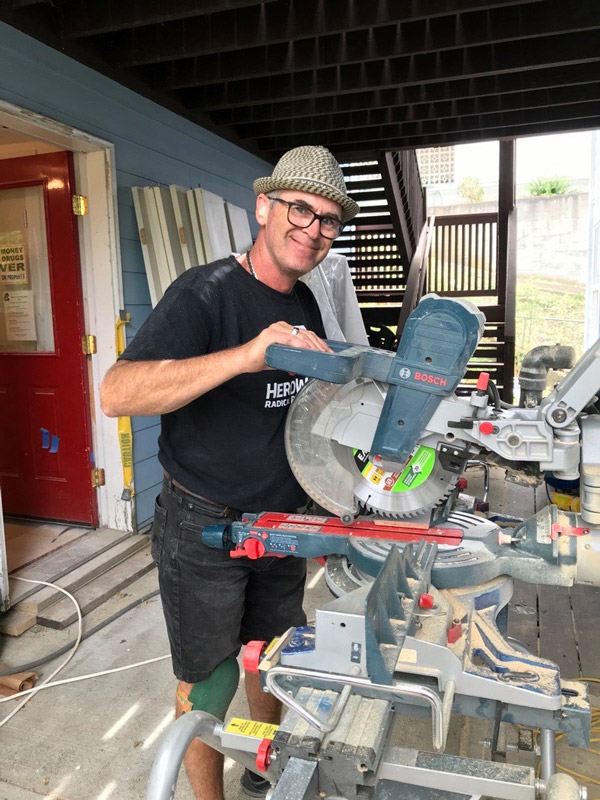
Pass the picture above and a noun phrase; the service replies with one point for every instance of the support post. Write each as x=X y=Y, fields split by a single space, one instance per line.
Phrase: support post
x=506 y=260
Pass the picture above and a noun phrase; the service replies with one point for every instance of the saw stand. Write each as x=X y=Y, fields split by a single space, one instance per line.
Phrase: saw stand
x=396 y=646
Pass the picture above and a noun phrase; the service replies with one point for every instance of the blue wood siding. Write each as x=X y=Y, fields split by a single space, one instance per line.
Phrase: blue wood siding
x=152 y=145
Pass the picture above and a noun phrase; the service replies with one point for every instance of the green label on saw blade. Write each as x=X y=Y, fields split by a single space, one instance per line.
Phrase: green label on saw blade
x=414 y=473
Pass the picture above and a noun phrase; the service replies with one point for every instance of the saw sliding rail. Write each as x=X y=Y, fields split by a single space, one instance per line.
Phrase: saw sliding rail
x=553 y=548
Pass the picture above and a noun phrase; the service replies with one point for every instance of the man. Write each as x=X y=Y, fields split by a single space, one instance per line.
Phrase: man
x=199 y=361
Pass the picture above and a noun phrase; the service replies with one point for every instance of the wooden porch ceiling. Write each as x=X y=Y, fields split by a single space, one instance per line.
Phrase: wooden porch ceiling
x=360 y=76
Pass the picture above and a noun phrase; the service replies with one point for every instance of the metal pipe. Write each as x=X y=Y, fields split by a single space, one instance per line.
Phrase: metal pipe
x=173 y=747
x=533 y=374
x=439 y=720
x=548 y=753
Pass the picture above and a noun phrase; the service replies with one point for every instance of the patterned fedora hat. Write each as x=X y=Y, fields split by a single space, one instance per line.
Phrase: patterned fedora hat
x=310 y=169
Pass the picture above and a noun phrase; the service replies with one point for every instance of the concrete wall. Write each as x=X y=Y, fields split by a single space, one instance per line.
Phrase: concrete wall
x=592 y=311
x=153 y=145
x=552 y=233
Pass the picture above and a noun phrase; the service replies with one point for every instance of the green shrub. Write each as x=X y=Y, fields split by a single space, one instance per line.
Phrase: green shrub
x=471 y=189
x=547 y=187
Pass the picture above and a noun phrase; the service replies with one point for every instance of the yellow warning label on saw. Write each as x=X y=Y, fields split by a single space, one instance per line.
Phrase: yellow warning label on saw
x=248 y=727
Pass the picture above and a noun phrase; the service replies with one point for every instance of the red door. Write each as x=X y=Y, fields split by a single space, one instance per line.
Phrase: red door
x=45 y=435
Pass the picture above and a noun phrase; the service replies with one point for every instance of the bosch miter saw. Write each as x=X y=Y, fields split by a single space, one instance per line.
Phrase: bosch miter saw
x=380 y=440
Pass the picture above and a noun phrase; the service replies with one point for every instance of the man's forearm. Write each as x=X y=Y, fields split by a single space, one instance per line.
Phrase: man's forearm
x=144 y=388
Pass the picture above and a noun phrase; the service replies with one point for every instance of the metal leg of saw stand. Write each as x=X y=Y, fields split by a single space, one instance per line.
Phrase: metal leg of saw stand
x=172 y=749
x=547 y=753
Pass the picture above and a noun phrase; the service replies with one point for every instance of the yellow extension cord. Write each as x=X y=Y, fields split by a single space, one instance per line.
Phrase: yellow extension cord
x=595 y=728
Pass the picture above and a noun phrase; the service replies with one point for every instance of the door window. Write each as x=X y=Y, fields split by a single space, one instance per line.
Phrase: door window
x=26 y=314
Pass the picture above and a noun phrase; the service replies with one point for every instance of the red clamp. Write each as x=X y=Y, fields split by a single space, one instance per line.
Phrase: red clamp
x=455 y=631
x=263 y=755
x=566 y=530
x=252 y=655
x=462 y=484
x=250 y=548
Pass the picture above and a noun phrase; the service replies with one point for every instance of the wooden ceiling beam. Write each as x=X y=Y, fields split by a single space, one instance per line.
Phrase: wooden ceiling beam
x=407 y=135
x=279 y=22
x=364 y=149
x=403 y=71
x=452 y=91
x=361 y=46
x=445 y=110
x=85 y=19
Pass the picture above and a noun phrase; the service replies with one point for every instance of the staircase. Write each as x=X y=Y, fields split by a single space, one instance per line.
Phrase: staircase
x=395 y=256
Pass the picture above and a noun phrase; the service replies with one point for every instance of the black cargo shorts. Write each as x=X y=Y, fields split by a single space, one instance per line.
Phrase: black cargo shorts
x=212 y=603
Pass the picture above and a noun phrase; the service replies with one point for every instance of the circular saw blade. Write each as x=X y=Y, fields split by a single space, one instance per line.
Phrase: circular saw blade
x=415 y=487
x=329 y=431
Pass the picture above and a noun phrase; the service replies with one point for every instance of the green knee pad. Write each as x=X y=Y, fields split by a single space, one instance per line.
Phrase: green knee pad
x=215 y=693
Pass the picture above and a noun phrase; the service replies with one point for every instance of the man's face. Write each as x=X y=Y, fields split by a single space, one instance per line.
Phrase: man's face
x=295 y=250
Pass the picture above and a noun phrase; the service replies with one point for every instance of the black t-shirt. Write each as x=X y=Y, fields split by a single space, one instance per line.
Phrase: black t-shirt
x=228 y=444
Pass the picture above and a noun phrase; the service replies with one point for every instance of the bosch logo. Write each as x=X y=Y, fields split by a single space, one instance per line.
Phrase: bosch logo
x=405 y=373
x=425 y=377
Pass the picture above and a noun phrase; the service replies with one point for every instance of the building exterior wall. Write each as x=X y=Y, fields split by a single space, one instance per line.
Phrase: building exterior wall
x=152 y=145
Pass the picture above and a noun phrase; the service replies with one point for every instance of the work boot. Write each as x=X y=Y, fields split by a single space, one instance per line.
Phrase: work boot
x=253 y=785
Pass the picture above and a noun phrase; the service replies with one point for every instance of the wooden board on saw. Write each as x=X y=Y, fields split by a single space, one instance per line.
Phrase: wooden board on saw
x=59 y=563
x=97 y=591
x=47 y=595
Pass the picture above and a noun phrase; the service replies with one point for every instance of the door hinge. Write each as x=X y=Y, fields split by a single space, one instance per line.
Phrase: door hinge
x=143 y=236
x=88 y=345
x=80 y=205
x=97 y=478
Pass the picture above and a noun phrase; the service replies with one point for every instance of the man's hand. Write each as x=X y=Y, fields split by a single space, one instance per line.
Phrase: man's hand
x=280 y=333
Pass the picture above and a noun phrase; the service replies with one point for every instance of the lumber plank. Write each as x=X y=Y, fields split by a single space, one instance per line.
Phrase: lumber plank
x=522 y=616
x=586 y=609
x=59 y=563
x=36 y=542
x=63 y=613
x=14 y=622
x=519 y=500
x=77 y=578
x=557 y=634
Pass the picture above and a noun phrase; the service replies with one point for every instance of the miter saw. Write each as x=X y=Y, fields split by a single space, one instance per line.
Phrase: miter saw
x=380 y=441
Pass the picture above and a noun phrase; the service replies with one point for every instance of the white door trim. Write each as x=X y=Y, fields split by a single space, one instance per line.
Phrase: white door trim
x=102 y=282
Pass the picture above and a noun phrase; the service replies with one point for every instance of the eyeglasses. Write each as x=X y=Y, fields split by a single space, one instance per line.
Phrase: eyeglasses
x=303 y=217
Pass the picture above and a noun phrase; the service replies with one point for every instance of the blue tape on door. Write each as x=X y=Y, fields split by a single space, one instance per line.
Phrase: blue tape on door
x=55 y=443
x=45 y=438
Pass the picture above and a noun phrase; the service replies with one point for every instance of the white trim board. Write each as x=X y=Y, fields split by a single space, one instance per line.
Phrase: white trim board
x=239 y=228
x=195 y=222
x=147 y=245
x=213 y=224
x=168 y=228
x=183 y=221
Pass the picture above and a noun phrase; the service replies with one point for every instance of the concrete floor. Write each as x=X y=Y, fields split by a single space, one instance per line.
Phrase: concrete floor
x=96 y=740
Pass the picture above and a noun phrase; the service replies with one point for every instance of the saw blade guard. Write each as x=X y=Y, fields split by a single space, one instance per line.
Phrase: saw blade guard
x=312 y=457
